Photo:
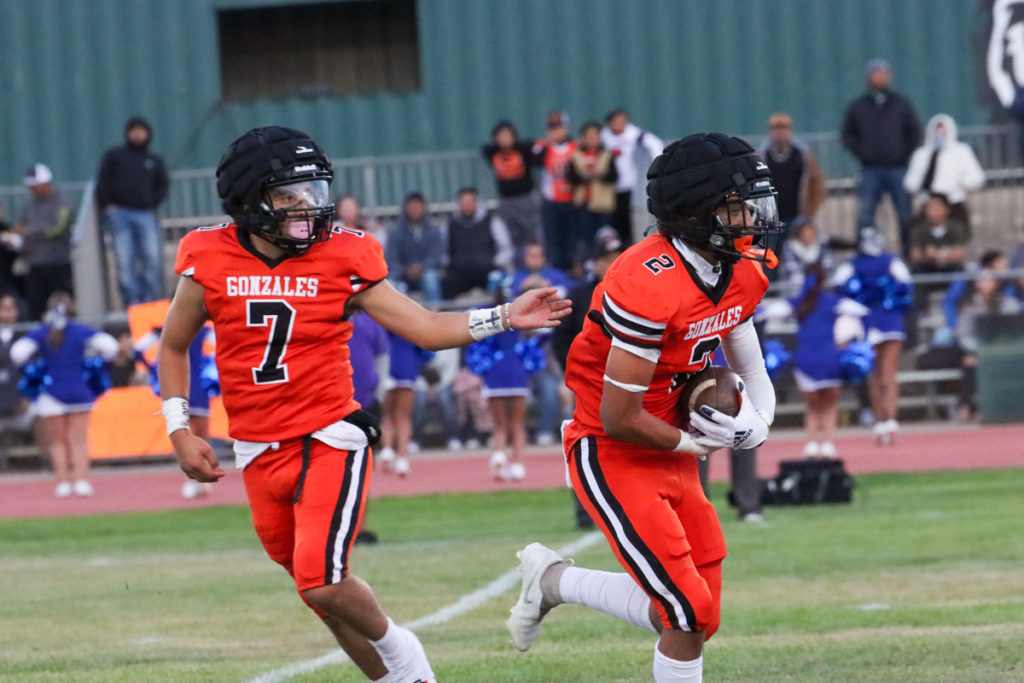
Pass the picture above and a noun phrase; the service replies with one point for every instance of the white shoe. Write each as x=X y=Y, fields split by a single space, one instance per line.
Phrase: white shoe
x=892 y=426
x=812 y=449
x=828 y=449
x=454 y=445
x=524 y=624
x=545 y=439
x=386 y=459
x=514 y=471
x=193 y=489
x=402 y=466
x=753 y=518
x=83 y=488
x=497 y=464
x=882 y=435
x=63 y=490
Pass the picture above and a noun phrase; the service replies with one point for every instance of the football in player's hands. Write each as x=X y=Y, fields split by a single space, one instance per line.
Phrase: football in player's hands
x=714 y=386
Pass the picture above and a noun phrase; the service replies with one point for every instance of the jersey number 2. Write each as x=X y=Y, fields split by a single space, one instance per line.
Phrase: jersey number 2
x=280 y=316
x=703 y=349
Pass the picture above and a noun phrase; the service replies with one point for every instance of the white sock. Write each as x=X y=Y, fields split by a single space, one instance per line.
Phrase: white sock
x=677 y=671
x=616 y=594
x=401 y=652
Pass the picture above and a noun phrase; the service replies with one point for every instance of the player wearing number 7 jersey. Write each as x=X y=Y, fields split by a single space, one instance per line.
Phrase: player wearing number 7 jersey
x=663 y=308
x=279 y=283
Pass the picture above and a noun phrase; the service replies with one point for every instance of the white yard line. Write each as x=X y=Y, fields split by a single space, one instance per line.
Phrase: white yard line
x=466 y=603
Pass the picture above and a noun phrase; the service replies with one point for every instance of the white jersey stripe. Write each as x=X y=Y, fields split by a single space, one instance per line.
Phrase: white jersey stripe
x=630 y=317
x=349 y=512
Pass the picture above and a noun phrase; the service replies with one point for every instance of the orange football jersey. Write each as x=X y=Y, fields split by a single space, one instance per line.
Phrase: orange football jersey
x=653 y=304
x=282 y=351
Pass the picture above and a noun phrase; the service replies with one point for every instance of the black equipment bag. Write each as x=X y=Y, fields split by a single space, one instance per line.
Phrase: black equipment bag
x=809 y=482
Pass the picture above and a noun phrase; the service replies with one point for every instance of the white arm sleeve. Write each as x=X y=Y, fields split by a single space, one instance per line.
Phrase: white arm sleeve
x=22 y=350
x=843 y=273
x=743 y=354
x=103 y=345
x=899 y=271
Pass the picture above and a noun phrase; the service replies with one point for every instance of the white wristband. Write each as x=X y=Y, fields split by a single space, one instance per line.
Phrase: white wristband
x=688 y=445
x=485 y=322
x=175 y=410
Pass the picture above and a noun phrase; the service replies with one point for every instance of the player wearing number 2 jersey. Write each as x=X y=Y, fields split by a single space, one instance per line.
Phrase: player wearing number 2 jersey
x=661 y=311
x=278 y=284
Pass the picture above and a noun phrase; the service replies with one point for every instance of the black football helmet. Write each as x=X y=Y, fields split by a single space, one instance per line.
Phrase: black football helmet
x=714 y=192
x=275 y=182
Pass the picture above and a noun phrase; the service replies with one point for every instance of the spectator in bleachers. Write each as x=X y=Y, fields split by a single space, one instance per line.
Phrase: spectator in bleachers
x=881 y=129
x=562 y=336
x=350 y=213
x=944 y=165
x=939 y=241
x=130 y=184
x=804 y=248
x=44 y=227
x=797 y=177
x=985 y=295
x=415 y=250
x=518 y=203
x=827 y=322
x=59 y=350
x=625 y=139
x=434 y=403
x=12 y=276
x=560 y=215
x=881 y=281
x=472 y=416
x=478 y=242
x=592 y=173
x=992 y=261
x=545 y=383
x=124 y=370
x=15 y=416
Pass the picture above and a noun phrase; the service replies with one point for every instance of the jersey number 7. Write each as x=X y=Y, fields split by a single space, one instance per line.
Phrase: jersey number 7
x=280 y=317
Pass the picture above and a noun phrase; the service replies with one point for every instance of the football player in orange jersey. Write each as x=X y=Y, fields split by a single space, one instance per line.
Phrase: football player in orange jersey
x=278 y=284
x=660 y=312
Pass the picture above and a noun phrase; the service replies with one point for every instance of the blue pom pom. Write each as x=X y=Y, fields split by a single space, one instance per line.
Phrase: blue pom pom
x=532 y=354
x=94 y=372
x=34 y=379
x=856 y=361
x=208 y=376
x=776 y=357
x=483 y=355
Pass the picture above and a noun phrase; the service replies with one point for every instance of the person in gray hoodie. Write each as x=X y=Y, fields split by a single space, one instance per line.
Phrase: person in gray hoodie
x=415 y=250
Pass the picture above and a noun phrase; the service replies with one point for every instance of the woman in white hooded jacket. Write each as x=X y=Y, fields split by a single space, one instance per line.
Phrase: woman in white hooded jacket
x=952 y=166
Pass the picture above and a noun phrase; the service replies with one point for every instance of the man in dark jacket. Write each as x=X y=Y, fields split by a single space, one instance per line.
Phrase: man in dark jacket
x=881 y=129
x=414 y=250
x=130 y=185
x=478 y=243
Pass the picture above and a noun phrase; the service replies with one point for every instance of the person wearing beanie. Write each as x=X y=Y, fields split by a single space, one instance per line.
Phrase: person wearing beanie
x=130 y=184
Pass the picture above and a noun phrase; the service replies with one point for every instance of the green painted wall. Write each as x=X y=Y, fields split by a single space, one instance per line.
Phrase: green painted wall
x=72 y=71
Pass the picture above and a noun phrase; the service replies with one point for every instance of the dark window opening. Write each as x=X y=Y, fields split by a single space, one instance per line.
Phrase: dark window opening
x=328 y=48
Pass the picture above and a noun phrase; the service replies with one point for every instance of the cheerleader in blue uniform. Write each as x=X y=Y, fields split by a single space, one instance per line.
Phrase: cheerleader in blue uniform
x=827 y=322
x=396 y=414
x=506 y=385
x=62 y=365
x=881 y=281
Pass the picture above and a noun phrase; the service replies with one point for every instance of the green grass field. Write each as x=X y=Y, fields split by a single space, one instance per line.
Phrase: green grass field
x=921 y=579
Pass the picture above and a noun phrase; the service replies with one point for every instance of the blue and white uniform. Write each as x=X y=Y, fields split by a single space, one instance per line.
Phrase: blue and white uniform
x=883 y=322
x=68 y=392
x=508 y=376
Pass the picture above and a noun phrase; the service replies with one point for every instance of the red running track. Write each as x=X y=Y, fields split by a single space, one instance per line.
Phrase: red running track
x=158 y=487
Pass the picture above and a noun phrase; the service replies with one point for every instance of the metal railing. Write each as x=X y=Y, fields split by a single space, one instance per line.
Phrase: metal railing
x=380 y=183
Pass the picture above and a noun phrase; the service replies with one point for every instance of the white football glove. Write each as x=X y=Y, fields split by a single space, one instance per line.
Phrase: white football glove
x=748 y=429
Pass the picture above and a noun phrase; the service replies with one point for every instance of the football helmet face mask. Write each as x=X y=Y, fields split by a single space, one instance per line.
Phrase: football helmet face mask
x=274 y=182
x=713 y=192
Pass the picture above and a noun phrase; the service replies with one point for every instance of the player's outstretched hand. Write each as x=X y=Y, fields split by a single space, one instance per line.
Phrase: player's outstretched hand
x=195 y=457
x=537 y=308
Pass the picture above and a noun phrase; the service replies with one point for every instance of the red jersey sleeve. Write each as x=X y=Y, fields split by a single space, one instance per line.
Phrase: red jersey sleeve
x=635 y=309
x=368 y=266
